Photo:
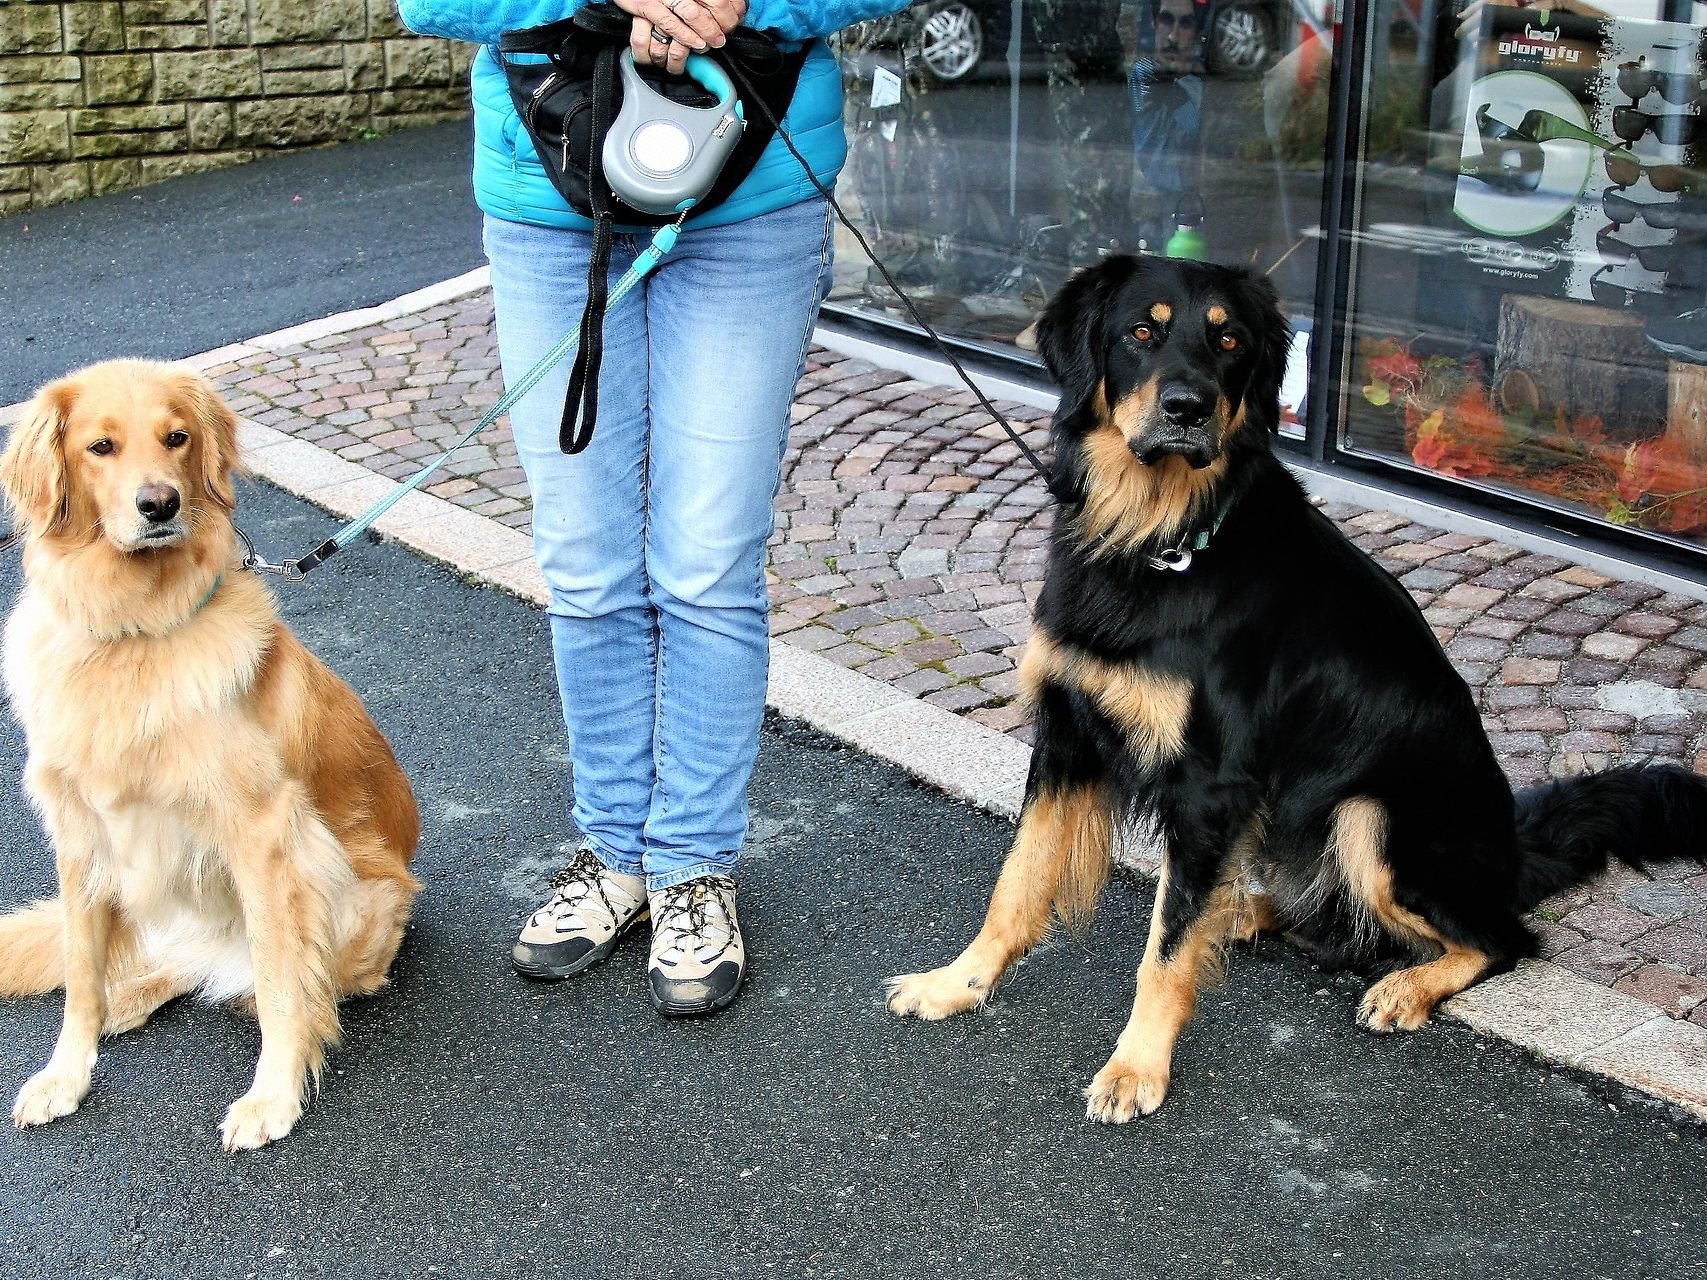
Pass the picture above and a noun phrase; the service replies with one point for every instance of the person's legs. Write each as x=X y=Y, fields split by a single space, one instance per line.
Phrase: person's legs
x=589 y=520
x=729 y=318
x=653 y=545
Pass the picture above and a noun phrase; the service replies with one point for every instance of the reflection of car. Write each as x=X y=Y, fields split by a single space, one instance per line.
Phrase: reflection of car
x=1243 y=36
x=951 y=40
x=957 y=38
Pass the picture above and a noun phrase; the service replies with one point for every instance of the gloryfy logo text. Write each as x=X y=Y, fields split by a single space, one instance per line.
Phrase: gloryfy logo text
x=1512 y=257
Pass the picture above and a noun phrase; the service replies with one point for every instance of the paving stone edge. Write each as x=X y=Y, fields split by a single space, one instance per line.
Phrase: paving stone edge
x=1539 y=1006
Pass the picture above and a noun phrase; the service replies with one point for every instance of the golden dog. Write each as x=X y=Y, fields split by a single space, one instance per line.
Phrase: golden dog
x=225 y=816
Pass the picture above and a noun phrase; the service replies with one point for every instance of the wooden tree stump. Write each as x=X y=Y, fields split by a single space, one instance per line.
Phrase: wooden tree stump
x=1686 y=408
x=1587 y=359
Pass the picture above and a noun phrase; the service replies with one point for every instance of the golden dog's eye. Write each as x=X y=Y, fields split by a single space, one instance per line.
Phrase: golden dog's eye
x=1229 y=342
x=101 y=448
x=1144 y=333
x=177 y=439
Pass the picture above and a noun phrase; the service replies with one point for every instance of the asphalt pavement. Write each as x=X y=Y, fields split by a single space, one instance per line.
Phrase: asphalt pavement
x=477 y=1125
x=184 y=266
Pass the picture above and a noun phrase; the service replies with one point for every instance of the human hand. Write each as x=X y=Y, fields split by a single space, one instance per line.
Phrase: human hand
x=653 y=48
x=664 y=32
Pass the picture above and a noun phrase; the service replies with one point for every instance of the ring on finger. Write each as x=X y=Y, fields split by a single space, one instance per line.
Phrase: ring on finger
x=660 y=37
x=675 y=7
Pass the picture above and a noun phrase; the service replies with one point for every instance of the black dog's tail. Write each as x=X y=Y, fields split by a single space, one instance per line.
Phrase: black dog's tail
x=1568 y=829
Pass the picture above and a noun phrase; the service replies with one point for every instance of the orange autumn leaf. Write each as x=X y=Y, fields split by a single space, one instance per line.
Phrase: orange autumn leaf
x=1659 y=468
x=1398 y=367
x=1686 y=514
x=1429 y=452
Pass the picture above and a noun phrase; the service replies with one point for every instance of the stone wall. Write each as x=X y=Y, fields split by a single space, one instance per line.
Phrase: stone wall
x=103 y=95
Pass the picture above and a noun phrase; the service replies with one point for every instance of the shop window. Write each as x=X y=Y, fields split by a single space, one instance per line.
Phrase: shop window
x=997 y=145
x=1530 y=257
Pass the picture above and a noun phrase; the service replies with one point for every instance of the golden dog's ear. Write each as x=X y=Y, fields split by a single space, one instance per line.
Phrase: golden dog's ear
x=216 y=427
x=32 y=468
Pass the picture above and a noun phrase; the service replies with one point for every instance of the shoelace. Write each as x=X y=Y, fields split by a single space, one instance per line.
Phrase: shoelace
x=683 y=917
x=572 y=887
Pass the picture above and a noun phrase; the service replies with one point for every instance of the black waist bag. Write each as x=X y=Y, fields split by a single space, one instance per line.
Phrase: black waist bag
x=567 y=102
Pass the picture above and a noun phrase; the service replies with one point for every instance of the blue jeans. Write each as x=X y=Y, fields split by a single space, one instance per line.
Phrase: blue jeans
x=652 y=541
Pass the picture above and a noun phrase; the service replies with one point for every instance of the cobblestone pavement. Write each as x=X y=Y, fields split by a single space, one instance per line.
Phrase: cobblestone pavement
x=910 y=543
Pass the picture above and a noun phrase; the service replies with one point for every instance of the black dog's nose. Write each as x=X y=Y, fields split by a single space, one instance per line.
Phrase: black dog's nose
x=1183 y=405
x=157 y=502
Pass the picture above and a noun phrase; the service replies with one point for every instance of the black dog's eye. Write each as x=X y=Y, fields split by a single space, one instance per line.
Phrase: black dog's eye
x=1229 y=342
x=177 y=439
x=101 y=448
x=1144 y=333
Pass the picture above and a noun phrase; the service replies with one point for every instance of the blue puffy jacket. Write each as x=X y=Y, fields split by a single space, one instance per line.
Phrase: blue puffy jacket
x=509 y=181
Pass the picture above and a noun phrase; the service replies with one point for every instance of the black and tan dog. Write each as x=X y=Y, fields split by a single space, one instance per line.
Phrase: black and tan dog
x=1212 y=655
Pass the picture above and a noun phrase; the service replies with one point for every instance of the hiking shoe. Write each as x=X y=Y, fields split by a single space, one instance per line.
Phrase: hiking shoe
x=1682 y=337
x=698 y=958
x=591 y=907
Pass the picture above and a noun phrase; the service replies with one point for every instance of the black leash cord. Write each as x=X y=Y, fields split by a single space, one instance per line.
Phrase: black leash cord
x=983 y=400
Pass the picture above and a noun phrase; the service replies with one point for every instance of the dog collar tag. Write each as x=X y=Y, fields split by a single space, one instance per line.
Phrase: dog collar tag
x=1176 y=558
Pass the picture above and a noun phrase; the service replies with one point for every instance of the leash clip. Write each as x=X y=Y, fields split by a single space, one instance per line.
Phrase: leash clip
x=1177 y=559
x=290 y=570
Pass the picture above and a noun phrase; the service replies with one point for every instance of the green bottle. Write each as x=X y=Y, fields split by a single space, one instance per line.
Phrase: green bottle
x=1187 y=242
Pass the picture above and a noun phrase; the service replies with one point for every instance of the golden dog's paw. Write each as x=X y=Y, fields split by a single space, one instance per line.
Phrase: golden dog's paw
x=936 y=995
x=1121 y=1091
x=1396 y=1003
x=50 y=1093
x=256 y=1119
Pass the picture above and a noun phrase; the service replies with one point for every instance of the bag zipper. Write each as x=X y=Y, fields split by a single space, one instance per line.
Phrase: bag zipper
x=568 y=122
x=545 y=87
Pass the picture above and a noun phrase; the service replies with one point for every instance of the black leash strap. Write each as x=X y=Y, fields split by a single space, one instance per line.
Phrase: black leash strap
x=581 y=402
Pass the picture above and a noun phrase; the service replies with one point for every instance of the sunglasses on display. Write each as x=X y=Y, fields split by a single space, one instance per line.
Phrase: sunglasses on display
x=1678 y=88
x=1624 y=169
x=1660 y=258
x=1666 y=215
x=1512 y=158
x=1677 y=130
x=1647 y=301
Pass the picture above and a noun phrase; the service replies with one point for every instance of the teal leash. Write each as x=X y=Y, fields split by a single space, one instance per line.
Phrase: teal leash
x=295 y=570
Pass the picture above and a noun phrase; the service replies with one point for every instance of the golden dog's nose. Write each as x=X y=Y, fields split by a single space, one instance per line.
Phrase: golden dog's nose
x=157 y=502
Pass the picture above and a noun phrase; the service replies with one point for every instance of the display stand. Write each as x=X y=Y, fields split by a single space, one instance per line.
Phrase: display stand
x=1589 y=359
x=1686 y=408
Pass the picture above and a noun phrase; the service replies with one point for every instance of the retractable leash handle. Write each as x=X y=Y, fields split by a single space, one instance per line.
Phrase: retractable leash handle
x=662 y=156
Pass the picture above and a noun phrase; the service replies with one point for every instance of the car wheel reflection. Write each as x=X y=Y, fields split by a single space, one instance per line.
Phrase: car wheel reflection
x=951 y=42
x=1241 y=39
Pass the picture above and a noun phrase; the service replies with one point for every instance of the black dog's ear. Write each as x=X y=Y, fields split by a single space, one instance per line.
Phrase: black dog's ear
x=1070 y=334
x=1261 y=302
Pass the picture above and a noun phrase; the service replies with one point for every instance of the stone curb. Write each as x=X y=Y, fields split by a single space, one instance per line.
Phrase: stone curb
x=309 y=331
x=1538 y=1006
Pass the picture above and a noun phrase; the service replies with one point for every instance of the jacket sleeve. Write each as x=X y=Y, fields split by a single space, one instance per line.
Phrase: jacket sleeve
x=480 y=21
x=805 y=19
